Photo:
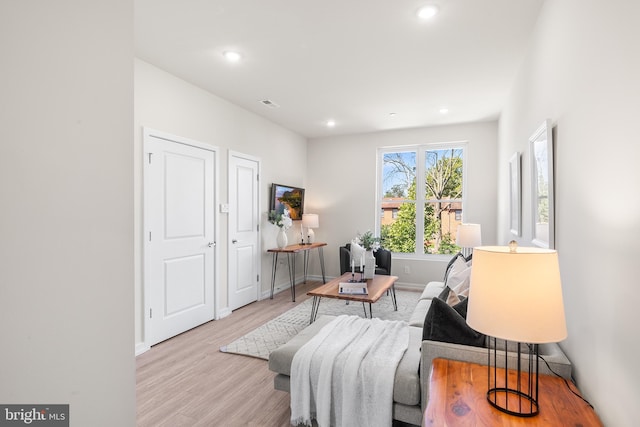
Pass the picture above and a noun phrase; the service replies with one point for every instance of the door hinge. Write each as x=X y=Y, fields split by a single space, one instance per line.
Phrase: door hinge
x=257 y=177
x=150 y=313
x=150 y=154
x=258 y=228
x=257 y=278
x=149 y=236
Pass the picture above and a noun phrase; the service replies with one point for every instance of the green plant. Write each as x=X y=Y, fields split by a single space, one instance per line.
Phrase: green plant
x=368 y=241
x=282 y=220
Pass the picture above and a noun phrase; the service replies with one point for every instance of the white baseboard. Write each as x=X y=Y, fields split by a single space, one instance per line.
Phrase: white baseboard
x=286 y=286
x=224 y=312
x=141 y=348
x=410 y=286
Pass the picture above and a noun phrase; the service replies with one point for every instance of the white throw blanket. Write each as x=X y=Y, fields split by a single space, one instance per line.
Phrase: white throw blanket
x=344 y=375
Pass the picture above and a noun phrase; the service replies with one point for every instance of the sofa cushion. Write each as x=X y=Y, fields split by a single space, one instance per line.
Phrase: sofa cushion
x=280 y=359
x=432 y=290
x=444 y=323
x=406 y=386
x=420 y=311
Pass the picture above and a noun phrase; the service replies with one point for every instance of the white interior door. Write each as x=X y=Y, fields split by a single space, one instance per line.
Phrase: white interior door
x=244 y=222
x=179 y=241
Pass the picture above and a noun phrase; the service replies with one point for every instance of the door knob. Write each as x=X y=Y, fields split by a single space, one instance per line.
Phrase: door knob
x=234 y=241
x=211 y=244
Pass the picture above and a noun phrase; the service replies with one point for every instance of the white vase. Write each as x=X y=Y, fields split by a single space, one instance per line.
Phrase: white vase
x=369 y=265
x=282 y=240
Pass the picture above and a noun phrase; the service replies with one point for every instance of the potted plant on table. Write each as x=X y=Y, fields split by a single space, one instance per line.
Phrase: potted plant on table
x=284 y=222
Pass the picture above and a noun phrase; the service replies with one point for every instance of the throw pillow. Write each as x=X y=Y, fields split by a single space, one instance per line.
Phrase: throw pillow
x=450 y=265
x=445 y=292
x=444 y=323
x=458 y=281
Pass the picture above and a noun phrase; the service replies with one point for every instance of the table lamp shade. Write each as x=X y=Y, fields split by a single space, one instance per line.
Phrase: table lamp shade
x=517 y=296
x=310 y=220
x=469 y=235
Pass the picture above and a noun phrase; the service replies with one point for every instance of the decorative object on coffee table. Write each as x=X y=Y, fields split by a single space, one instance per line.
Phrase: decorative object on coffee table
x=516 y=295
x=369 y=243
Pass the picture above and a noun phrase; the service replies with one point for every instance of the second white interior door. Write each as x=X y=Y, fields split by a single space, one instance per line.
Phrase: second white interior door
x=244 y=221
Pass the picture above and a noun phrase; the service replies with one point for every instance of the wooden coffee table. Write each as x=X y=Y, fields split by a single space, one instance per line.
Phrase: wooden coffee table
x=376 y=287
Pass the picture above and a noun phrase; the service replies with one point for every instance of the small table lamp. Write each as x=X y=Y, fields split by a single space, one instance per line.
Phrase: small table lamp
x=310 y=221
x=516 y=295
x=468 y=237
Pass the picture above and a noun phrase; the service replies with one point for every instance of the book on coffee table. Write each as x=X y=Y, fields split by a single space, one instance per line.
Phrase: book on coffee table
x=353 y=288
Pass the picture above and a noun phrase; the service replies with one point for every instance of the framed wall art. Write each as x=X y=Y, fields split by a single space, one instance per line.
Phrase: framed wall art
x=515 y=194
x=287 y=197
x=542 y=201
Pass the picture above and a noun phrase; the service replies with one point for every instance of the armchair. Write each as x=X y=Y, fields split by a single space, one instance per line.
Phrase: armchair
x=383 y=260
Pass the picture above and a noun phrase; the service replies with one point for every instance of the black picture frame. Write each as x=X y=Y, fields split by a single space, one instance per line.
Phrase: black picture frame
x=287 y=197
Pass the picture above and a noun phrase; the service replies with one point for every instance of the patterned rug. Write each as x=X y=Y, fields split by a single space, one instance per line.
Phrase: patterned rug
x=266 y=338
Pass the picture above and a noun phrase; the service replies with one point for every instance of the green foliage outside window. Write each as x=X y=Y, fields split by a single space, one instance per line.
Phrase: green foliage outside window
x=443 y=185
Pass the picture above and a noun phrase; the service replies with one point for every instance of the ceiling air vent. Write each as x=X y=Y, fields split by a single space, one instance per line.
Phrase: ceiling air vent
x=269 y=103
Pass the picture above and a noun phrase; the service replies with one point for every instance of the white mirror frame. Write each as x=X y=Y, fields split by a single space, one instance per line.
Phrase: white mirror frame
x=542 y=197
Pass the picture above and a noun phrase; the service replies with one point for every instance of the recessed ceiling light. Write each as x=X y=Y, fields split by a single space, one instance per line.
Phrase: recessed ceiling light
x=331 y=123
x=428 y=11
x=232 y=56
x=444 y=110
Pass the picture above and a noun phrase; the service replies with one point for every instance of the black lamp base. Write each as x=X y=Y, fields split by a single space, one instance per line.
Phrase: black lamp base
x=521 y=400
x=513 y=402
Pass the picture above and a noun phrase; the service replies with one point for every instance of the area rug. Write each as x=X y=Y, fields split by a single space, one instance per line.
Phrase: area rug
x=266 y=338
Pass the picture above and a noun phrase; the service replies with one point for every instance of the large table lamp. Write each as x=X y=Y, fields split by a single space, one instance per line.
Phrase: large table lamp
x=516 y=295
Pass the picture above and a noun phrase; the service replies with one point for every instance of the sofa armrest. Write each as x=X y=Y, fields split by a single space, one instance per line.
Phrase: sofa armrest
x=551 y=353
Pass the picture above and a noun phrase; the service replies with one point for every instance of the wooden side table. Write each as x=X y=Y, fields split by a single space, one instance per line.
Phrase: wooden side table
x=457 y=397
x=291 y=252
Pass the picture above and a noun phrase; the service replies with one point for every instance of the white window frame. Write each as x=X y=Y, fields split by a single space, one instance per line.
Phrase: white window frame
x=420 y=150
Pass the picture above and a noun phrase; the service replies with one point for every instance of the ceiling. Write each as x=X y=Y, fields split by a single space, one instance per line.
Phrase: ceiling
x=352 y=61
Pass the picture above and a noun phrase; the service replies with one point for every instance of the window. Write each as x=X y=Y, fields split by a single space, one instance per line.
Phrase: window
x=421 y=216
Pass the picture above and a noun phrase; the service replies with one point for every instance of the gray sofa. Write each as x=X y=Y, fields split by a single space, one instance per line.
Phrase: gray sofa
x=411 y=391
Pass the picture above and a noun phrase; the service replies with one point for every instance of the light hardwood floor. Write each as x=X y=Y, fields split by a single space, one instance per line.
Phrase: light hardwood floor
x=187 y=381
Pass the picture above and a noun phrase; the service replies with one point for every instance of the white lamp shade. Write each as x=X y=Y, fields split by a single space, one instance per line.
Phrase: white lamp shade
x=517 y=296
x=310 y=220
x=469 y=235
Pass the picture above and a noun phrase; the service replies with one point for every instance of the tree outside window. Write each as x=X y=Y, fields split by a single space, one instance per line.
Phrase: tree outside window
x=428 y=210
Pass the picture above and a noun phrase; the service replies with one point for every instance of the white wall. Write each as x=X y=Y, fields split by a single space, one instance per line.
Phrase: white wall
x=582 y=72
x=169 y=104
x=342 y=188
x=66 y=275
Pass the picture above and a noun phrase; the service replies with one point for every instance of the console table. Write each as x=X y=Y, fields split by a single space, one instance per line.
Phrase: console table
x=291 y=251
x=457 y=397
